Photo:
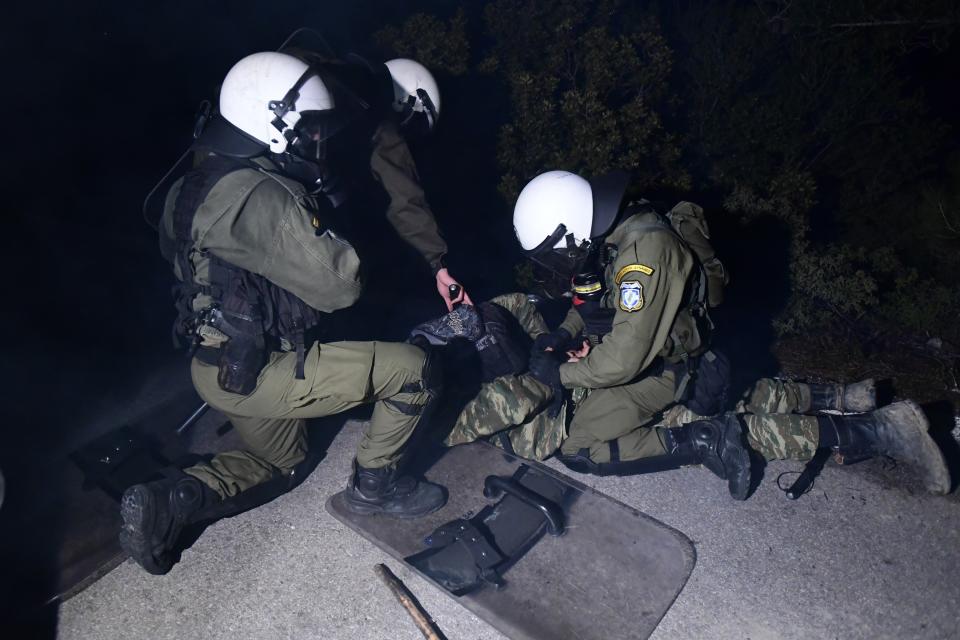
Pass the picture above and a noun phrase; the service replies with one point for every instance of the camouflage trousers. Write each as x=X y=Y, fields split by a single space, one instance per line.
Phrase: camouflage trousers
x=512 y=407
x=771 y=411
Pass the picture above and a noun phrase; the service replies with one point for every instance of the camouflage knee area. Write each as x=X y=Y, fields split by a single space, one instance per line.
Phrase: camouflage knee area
x=504 y=402
x=782 y=437
x=539 y=438
x=769 y=395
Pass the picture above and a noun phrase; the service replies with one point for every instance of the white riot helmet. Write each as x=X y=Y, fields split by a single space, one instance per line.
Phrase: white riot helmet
x=559 y=213
x=270 y=97
x=416 y=96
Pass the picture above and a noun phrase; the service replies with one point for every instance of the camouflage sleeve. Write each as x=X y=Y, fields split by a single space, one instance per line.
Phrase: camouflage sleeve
x=409 y=213
x=650 y=279
x=573 y=323
x=270 y=232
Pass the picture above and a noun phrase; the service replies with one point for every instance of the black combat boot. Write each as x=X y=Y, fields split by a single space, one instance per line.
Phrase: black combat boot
x=718 y=444
x=154 y=515
x=899 y=431
x=856 y=396
x=385 y=491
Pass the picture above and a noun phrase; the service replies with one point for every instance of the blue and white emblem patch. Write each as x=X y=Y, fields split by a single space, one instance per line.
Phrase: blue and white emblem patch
x=631 y=296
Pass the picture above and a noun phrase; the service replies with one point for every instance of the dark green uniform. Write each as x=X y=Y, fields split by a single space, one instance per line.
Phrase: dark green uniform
x=262 y=222
x=646 y=286
x=392 y=165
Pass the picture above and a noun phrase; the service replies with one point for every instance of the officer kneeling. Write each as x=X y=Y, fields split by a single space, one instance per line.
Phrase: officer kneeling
x=641 y=296
x=258 y=267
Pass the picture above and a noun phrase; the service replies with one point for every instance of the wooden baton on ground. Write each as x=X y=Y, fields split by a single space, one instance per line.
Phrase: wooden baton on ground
x=420 y=617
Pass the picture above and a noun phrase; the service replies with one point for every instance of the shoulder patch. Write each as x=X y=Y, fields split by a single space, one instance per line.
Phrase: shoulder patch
x=633 y=268
x=631 y=296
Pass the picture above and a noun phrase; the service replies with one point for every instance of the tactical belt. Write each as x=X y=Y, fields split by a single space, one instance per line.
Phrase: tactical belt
x=207 y=355
x=470 y=552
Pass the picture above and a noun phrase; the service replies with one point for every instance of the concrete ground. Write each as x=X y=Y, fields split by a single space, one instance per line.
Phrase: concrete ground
x=866 y=554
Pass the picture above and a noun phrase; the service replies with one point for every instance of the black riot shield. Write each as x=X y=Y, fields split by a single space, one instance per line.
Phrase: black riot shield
x=535 y=553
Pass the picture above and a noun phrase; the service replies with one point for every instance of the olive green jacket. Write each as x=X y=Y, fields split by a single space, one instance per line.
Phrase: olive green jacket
x=260 y=221
x=645 y=284
x=392 y=165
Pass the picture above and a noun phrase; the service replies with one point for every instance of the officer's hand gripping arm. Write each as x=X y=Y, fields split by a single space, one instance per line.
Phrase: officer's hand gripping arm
x=638 y=335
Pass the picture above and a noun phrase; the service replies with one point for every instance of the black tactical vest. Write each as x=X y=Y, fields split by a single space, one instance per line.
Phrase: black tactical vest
x=253 y=314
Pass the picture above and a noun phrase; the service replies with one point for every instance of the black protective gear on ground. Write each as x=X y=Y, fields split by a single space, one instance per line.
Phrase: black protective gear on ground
x=154 y=515
x=899 y=431
x=386 y=492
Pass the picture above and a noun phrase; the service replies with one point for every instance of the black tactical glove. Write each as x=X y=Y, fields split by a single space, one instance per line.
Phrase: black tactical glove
x=558 y=340
x=545 y=367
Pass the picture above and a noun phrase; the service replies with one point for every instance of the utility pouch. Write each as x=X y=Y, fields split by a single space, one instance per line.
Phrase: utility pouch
x=240 y=363
x=710 y=384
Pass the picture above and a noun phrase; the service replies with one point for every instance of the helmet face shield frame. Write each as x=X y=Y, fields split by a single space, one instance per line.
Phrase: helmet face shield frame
x=418 y=115
x=558 y=265
x=311 y=133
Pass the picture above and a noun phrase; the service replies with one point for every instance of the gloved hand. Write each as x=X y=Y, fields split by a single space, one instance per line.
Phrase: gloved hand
x=545 y=367
x=556 y=340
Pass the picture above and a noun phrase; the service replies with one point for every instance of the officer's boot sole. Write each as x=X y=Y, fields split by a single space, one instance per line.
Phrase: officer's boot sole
x=914 y=446
x=138 y=511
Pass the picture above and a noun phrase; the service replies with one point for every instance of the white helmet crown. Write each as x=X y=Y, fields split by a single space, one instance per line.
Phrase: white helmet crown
x=414 y=90
x=552 y=199
x=265 y=94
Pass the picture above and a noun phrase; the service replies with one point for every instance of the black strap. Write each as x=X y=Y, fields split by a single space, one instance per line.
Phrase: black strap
x=195 y=188
x=207 y=355
x=505 y=442
x=614 y=450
